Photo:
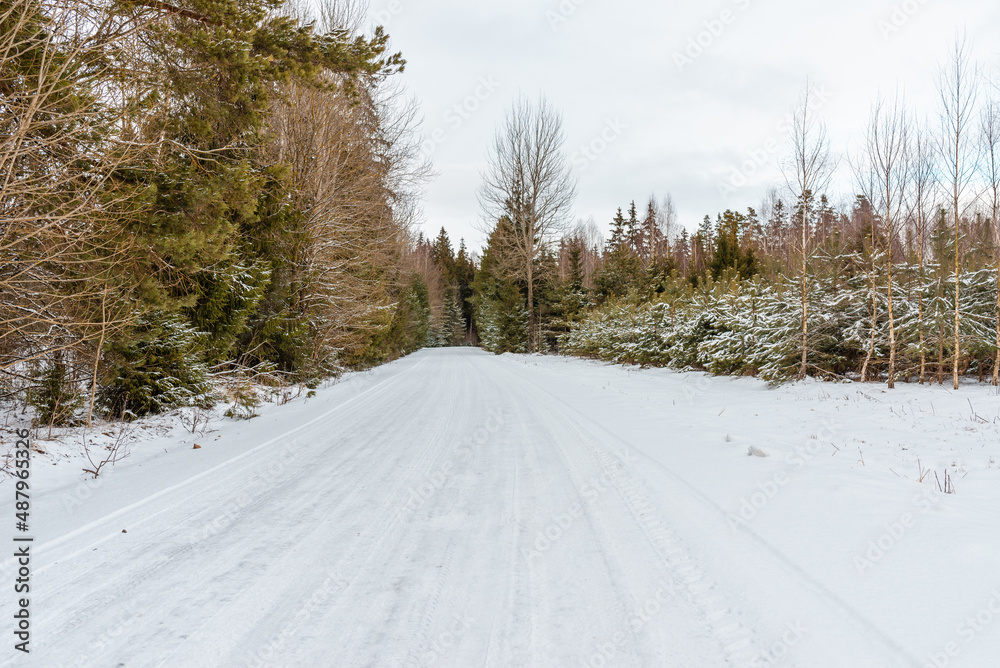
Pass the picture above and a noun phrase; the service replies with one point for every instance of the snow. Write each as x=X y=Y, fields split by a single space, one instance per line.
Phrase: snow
x=461 y=509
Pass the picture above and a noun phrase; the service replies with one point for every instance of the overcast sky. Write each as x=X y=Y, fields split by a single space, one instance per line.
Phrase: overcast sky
x=670 y=97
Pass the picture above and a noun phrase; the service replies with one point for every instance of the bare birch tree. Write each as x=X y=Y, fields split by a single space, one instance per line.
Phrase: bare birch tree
x=807 y=172
x=991 y=168
x=922 y=183
x=958 y=93
x=884 y=183
x=528 y=180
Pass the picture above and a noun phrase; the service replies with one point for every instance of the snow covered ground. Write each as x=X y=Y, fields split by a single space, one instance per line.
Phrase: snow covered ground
x=460 y=509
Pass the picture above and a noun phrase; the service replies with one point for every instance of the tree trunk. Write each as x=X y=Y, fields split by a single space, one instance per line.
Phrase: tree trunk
x=958 y=291
x=871 y=342
x=97 y=356
x=923 y=353
x=890 y=235
x=920 y=304
x=805 y=294
x=996 y=364
x=892 y=332
x=940 y=364
x=531 y=307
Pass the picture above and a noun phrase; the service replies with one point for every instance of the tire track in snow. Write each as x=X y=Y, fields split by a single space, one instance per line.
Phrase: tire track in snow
x=619 y=589
x=514 y=540
x=253 y=455
x=421 y=642
x=862 y=625
x=726 y=625
x=181 y=552
x=523 y=632
x=373 y=543
x=179 y=556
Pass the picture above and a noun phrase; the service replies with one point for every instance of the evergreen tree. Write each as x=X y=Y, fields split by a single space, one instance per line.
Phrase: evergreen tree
x=576 y=265
x=501 y=304
x=622 y=269
x=222 y=241
x=619 y=234
x=465 y=274
x=731 y=252
x=634 y=230
x=651 y=236
x=444 y=256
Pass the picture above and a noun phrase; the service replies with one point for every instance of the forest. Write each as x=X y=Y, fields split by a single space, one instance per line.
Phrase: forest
x=224 y=190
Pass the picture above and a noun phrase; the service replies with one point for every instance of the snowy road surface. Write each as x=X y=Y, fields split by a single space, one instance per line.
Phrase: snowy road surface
x=460 y=509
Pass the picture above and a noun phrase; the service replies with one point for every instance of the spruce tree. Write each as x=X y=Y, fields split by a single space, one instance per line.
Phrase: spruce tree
x=501 y=303
x=619 y=233
x=622 y=270
x=634 y=230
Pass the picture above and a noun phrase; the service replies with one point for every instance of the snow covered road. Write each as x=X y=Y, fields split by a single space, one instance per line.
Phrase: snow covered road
x=460 y=509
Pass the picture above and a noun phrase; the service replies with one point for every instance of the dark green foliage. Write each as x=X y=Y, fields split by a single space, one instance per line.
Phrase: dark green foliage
x=412 y=321
x=562 y=306
x=501 y=303
x=502 y=316
x=54 y=398
x=157 y=367
x=465 y=274
x=732 y=251
x=407 y=331
x=187 y=234
x=622 y=270
x=619 y=240
x=444 y=256
x=223 y=240
x=458 y=272
x=621 y=273
x=228 y=297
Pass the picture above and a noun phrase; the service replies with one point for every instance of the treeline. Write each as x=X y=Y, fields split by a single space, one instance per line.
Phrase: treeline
x=731 y=301
x=212 y=187
x=449 y=277
x=902 y=282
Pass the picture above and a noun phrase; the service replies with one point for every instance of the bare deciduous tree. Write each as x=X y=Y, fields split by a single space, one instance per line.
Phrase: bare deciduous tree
x=807 y=172
x=882 y=177
x=354 y=168
x=64 y=137
x=922 y=183
x=991 y=169
x=958 y=92
x=528 y=181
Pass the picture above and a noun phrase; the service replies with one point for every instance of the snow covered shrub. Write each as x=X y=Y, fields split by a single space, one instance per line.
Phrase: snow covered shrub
x=156 y=368
x=55 y=398
x=725 y=327
x=755 y=328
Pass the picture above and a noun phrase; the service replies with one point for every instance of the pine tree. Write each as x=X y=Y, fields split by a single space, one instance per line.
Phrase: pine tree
x=224 y=246
x=732 y=253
